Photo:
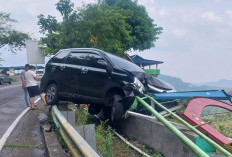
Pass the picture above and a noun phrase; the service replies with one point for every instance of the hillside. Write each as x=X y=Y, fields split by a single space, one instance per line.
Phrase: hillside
x=180 y=85
x=221 y=83
x=222 y=122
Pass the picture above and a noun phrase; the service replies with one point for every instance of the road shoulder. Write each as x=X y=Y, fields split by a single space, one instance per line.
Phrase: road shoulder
x=27 y=133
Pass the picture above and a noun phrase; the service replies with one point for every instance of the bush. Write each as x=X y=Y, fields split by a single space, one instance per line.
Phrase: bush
x=104 y=139
x=13 y=79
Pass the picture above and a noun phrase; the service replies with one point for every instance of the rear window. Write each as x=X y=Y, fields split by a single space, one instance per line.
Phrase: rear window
x=77 y=58
x=124 y=64
x=60 y=57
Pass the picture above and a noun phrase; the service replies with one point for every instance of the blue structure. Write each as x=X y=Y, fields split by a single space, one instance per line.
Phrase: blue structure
x=18 y=67
x=146 y=62
x=214 y=94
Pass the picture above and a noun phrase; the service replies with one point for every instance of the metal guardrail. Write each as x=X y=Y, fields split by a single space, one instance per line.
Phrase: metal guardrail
x=177 y=132
x=76 y=144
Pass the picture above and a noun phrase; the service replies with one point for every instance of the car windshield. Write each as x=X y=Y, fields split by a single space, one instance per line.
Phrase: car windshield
x=124 y=64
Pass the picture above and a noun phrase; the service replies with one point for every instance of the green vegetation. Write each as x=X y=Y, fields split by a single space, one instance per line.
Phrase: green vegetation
x=109 y=145
x=125 y=150
x=19 y=145
x=81 y=115
x=104 y=139
x=115 y=26
x=13 y=79
x=222 y=122
x=149 y=150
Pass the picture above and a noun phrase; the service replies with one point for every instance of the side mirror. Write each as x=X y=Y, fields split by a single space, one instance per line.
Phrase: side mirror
x=102 y=62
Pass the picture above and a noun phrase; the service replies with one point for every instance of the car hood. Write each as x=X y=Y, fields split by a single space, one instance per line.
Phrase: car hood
x=147 y=79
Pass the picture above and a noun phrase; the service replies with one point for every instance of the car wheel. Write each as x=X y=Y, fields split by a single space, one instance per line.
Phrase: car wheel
x=51 y=94
x=1 y=81
x=106 y=112
x=117 y=109
x=10 y=81
x=94 y=108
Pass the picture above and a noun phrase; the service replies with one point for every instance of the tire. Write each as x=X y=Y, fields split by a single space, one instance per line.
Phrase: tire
x=10 y=81
x=106 y=112
x=94 y=108
x=1 y=82
x=117 y=109
x=51 y=94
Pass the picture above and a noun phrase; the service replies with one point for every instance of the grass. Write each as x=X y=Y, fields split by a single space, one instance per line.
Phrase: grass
x=125 y=150
x=81 y=116
x=104 y=139
x=19 y=145
x=13 y=79
x=108 y=145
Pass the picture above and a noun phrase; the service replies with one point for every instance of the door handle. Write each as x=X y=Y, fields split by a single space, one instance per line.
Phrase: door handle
x=53 y=68
x=84 y=70
x=62 y=67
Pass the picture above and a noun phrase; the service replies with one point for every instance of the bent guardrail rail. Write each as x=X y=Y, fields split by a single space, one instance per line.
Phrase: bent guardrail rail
x=76 y=144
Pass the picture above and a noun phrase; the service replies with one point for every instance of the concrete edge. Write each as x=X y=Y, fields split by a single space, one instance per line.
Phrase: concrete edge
x=52 y=146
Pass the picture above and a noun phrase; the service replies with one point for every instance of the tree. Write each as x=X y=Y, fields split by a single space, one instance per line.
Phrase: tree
x=9 y=36
x=144 y=33
x=115 y=26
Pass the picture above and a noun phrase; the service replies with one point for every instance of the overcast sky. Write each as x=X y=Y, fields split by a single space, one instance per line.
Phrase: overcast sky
x=196 y=43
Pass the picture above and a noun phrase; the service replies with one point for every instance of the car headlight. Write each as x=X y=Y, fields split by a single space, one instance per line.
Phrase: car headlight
x=138 y=85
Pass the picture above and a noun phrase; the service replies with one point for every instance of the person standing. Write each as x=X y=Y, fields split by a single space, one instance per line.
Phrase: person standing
x=32 y=87
x=24 y=86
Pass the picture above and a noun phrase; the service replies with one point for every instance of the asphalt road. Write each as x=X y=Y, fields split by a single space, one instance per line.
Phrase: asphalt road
x=11 y=104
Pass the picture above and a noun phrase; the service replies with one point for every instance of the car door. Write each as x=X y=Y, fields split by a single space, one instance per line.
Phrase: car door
x=75 y=67
x=96 y=77
x=56 y=68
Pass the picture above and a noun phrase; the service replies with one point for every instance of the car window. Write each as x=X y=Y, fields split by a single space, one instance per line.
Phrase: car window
x=39 y=72
x=77 y=58
x=60 y=57
x=124 y=64
x=92 y=61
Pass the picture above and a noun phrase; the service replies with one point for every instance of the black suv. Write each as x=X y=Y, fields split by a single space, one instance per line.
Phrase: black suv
x=4 y=77
x=91 y=76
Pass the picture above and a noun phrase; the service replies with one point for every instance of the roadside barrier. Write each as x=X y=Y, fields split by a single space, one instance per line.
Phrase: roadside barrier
x=176 y=131
x=76 y=144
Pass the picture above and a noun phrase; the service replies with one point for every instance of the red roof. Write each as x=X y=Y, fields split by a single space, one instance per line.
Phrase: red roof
x=192 y=114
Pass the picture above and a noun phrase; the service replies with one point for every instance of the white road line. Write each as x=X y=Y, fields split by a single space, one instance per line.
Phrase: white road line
x=13 y=125
x=10 y=86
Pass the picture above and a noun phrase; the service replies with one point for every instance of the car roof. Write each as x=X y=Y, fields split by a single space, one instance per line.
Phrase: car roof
x=79 y=49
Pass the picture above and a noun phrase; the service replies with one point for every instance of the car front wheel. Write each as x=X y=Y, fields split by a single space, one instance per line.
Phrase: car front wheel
x=94 y=108
x=51 y=94
x=117 y=109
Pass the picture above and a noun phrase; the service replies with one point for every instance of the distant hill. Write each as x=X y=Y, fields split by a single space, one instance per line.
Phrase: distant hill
x=221 y=83
x=180 y=85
